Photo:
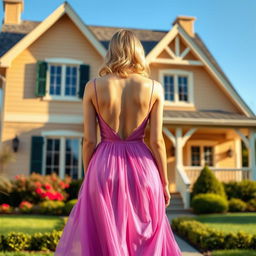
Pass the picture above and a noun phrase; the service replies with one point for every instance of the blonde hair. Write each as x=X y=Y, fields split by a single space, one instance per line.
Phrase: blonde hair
x=125 y=53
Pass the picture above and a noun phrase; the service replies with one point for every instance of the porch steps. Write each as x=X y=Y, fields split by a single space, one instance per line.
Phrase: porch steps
x=176 y=204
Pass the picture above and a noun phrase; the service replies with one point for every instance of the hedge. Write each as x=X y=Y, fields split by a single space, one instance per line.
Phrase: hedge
x=205 y=238
x=18 y=241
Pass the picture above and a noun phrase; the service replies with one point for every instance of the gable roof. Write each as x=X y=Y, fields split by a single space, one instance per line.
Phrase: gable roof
x=36 y=30
x=15 y=38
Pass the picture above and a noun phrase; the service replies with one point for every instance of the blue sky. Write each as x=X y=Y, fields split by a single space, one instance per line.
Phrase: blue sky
x=227 y=27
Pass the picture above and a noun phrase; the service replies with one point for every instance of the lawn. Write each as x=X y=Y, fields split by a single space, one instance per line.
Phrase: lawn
x=29 y=223
x=230 y=222
x=234 y=253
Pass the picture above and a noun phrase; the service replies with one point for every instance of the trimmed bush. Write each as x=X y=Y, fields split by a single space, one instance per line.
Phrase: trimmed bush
x=251 y=205
x=205 y=238
x=18 y=241
x=236 y=205
x=45 y=241
x=51 y=207
x=69 y=205
x=207 y=183
x=209 y=203
x=244 y=190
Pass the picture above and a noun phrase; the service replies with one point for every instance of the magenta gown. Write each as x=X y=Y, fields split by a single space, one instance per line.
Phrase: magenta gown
x=121 y=208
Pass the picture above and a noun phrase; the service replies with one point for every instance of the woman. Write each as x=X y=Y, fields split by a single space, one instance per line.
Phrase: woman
x=121 y=202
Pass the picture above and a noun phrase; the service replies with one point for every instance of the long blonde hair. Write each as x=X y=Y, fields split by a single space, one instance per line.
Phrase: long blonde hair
x=125 y=53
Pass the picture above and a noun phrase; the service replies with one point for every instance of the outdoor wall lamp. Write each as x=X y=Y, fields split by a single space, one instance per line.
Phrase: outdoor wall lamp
x=15 y=143
x=230 y=152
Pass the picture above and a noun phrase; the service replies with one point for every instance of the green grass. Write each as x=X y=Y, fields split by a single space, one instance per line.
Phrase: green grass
x=29 y=223
x=234 y=253
x=230 y=222
x=25 y=254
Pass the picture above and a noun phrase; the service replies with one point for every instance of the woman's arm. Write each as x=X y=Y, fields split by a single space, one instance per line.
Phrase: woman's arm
x=157 y=144
x=90 y=125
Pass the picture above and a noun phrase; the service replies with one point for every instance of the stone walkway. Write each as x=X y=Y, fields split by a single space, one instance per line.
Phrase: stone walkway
x=187 y=249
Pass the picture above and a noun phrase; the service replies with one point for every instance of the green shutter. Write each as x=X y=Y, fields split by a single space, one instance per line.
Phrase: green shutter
x=84 y=78
x=41 y=68
x=36 y=152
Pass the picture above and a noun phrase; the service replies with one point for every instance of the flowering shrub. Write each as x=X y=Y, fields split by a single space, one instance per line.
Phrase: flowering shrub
x=37 y=188
x=25 y=207
x=5 y=208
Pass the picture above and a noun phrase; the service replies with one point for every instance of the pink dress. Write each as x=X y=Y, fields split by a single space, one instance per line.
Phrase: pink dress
x=121 y=208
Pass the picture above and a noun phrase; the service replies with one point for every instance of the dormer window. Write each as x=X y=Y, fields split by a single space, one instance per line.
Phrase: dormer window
x=178 y=86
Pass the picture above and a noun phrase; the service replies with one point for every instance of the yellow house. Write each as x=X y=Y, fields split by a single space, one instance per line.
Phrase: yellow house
x=45 y=65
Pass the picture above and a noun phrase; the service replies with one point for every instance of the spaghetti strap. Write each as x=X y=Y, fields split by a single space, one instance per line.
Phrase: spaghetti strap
x=96 y=95
x=151 y=95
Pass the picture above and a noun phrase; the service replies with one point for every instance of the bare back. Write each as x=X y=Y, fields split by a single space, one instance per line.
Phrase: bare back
x=123 y=103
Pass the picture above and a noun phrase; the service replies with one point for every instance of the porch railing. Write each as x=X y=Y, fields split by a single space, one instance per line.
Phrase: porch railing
x=183 y=186
x=223 y=174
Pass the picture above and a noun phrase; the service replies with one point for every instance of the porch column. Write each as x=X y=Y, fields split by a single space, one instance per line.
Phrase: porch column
x=179 y=147
x=252 y=156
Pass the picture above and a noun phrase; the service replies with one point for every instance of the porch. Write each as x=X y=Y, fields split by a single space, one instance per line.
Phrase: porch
x=216 y=139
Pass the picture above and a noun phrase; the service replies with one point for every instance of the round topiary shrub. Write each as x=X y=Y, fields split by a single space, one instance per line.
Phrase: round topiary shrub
x=207 y=183
x=209 y=203
x=51 y=207
x=69 y=205
x=236 y=205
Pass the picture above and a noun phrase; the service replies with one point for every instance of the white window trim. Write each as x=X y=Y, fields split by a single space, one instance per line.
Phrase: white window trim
x=62 y=135
x=62 y=62
x=175 y=73
x=201 y=144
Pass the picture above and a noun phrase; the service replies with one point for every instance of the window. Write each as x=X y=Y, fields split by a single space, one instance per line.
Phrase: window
x=195 y=155
x=169 y=88
x=52 y=156
x=63 y=80
x=201 y=155
x=63 y=156
x=208 y=156
x=183 y=88
x=178 y=86
x=72 y=157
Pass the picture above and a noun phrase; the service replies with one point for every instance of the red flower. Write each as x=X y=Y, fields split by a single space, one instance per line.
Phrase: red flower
x=47 y=186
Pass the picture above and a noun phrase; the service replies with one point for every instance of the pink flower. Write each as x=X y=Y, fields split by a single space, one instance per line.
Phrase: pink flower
x=5 y=206
x=38 y=184
x=25 y=204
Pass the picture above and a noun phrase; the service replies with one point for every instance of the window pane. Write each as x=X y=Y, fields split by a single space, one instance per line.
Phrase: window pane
x=52 y=156
x=71 y=80
x=195 y=156
x=55 y=80
x=72 y=157
x=183 y=88
x=208 y=155
x=169 y=87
